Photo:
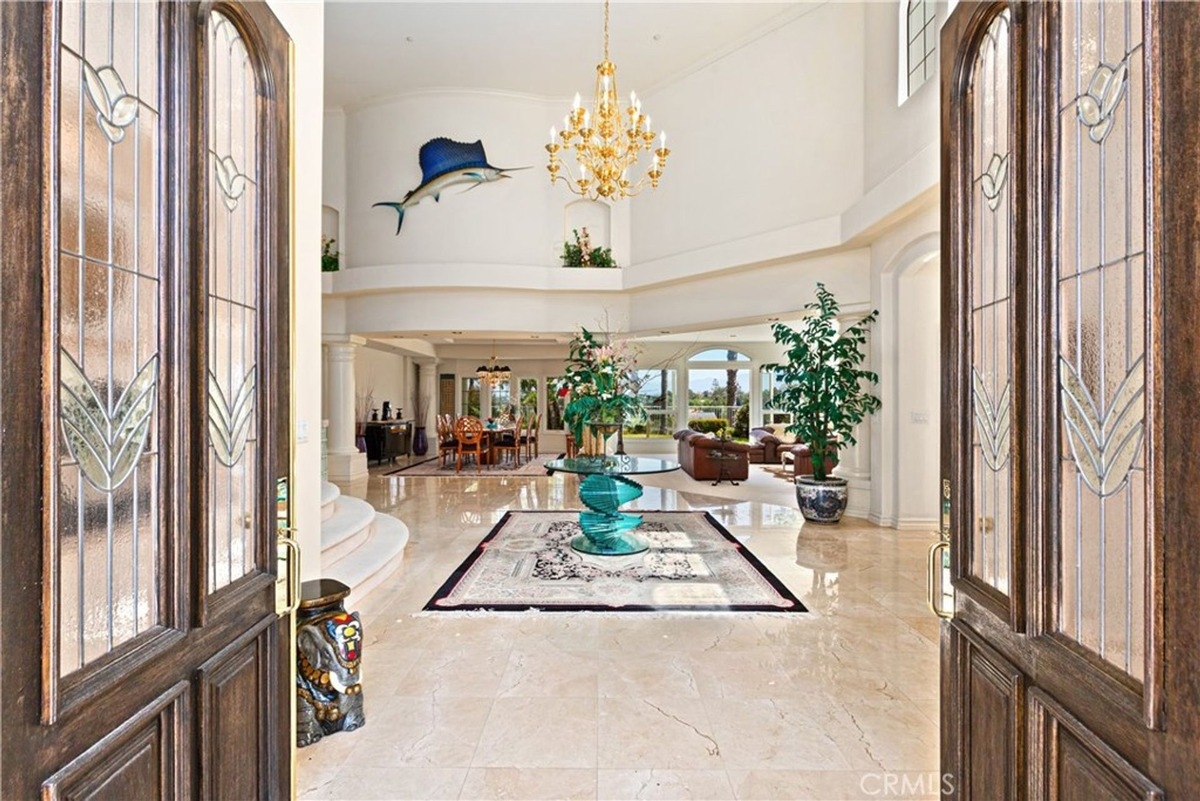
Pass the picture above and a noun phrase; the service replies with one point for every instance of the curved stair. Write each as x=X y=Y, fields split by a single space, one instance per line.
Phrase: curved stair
x=359 y=546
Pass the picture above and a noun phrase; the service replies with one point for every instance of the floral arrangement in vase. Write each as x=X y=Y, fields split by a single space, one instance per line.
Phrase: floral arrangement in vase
x=599 y=388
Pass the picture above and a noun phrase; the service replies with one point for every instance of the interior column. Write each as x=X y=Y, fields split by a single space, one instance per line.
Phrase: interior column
x=346 y=464
x=854 y=461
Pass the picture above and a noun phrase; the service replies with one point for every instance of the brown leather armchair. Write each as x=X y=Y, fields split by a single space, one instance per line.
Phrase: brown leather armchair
x=767 y=443
x=695 y=457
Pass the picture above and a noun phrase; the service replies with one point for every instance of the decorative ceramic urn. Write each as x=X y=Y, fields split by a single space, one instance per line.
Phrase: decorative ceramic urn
x=821 y=501
x=328 y=663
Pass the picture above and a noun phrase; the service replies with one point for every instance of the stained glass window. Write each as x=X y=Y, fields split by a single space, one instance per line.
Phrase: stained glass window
x=107 y=507
x=991 y=280
x=1101 y=330
x=233 y=306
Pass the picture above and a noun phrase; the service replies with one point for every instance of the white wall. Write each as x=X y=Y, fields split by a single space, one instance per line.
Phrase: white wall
x=386 y=376
x=752 y=296
x=918 y=455
x=508 y=221
x=895 y=134
x=333 y=160
x=905 y=287
x=767 y=137
x=481 y=309
x=333 y=181
x=304 y=21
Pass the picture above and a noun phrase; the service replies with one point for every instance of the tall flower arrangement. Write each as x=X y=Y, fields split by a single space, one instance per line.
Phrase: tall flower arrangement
x=599 y=384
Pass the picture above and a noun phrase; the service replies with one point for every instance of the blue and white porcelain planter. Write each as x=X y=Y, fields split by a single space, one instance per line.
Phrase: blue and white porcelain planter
x=821 y=501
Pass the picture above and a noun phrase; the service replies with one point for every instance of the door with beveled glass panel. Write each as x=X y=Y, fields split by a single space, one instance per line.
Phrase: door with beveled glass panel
x=1071 y=424
x=144 y=412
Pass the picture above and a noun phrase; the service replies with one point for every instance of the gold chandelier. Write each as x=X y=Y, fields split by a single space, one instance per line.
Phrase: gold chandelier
x=492 y=372
x=607 y=140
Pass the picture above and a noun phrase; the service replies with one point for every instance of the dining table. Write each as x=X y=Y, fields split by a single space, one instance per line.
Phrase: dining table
x=493 y=433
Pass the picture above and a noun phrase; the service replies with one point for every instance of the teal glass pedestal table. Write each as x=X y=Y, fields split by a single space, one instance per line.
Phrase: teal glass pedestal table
x=604 y=487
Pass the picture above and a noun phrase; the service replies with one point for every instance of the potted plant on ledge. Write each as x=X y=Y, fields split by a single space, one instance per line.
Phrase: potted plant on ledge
x=824 y=391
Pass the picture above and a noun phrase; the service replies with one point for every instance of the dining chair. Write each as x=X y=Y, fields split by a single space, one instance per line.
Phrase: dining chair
x=526 y=437
x=447 y=444
x=472 y=440
x=535 y=425
x=509 y=441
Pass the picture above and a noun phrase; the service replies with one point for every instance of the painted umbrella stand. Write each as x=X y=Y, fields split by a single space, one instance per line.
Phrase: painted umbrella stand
x=604 y=488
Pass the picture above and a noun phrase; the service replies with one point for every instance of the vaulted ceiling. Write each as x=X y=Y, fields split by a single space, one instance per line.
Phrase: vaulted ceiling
x=379 y=49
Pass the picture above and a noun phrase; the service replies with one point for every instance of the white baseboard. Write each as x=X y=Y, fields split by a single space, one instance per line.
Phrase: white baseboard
x=904 y=523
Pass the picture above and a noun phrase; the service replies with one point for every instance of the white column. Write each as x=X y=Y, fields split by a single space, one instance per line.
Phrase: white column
x=345 y=462
x=854 y=461
x=428 y=390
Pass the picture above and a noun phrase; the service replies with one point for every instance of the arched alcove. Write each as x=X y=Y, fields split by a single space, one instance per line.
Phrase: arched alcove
x=331 y=227
x=910 y=384
x=593 y=215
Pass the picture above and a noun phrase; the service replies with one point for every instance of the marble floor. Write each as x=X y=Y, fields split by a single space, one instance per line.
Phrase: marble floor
x=837 y=704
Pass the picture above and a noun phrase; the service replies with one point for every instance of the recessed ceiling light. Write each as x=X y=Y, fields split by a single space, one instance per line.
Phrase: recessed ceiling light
x=657 y=37
x=408 y=39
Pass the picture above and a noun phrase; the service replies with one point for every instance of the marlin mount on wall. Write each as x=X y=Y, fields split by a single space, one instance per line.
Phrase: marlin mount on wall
x=445 y=163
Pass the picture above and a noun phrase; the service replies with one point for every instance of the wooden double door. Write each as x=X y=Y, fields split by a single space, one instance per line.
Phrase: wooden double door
x=1071 y=422
x=144 y=410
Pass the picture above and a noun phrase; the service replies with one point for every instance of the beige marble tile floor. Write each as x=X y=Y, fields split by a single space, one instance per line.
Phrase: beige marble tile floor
x=837 y=704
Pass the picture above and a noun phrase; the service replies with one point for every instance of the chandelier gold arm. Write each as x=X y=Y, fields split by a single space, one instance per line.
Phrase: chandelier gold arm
x=606 y=140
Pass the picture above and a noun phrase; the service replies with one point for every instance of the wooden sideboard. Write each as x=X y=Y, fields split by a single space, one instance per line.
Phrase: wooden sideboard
x=387 y=439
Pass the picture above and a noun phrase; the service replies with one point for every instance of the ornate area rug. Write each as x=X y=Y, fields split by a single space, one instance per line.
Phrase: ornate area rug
x=526 y=562
x=433 y=467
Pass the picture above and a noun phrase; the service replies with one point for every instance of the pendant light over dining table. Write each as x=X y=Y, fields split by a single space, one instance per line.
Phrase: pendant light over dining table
x=492 y=372
x=607 y=141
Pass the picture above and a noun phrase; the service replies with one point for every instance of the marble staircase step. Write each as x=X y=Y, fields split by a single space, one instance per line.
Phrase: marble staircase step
x=347 y=529
x=329 y=496
x=363 y=568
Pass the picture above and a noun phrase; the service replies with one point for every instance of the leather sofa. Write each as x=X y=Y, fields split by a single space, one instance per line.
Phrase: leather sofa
x=767 y=442
x=768 y=445
x=695 y=457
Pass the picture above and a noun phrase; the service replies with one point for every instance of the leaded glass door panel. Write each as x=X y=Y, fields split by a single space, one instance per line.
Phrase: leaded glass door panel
x=1069 y=664
x=143 y=653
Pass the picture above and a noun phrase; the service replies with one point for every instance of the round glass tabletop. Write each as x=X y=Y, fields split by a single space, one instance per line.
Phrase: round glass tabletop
x=612 y=465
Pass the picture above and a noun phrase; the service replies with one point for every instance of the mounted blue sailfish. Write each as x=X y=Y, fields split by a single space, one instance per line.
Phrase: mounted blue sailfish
x=445 y=163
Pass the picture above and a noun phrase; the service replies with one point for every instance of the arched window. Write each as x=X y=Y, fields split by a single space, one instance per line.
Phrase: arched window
x=720 y=355
x=918 y=45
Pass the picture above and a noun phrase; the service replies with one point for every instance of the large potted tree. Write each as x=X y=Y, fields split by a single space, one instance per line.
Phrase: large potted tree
x=824 y=390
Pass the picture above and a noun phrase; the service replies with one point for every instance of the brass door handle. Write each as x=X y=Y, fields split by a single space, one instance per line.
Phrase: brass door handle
x=934 y=583
x=292 y=577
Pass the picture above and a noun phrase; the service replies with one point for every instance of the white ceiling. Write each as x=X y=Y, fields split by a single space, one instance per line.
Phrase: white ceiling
x=381 y=49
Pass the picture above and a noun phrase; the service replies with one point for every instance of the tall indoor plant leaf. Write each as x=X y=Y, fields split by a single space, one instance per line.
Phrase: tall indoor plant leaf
x=823 y=383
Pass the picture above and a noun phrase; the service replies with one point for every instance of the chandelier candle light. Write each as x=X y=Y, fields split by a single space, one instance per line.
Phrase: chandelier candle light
x=492 y=371
x=607 y=140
